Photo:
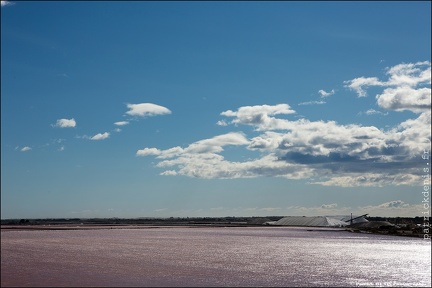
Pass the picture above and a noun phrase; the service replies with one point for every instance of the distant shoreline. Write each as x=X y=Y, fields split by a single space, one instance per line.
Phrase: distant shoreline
x=71 y=227
x=113 y=226
x=406 y=226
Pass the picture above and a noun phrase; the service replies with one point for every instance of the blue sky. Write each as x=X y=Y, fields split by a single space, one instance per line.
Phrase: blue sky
x=160 y=109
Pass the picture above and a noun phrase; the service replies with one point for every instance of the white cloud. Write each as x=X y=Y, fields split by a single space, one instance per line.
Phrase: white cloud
x=222 y=123
x=405 y=98
x=100 y=136
x=394 y=204
x=332 y=154
x=216 y=143
x=324 y=94
x=204 y=147
x=312 y=103
x=374 y=112
x=409 y=74
x=358 y=83
x=65 y=123
x=148 y=151
x=371 y=179
x=329 y=206
x=395 y=208
x=323 y=152
x=121 y=123
x=169 y=173
x=260 y=116
x=405 y=75
x=26 y=148
x=146 y=109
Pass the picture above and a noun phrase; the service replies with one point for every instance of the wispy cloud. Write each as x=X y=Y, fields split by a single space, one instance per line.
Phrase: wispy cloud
x=375 y=112
x=221 y=123
x=392 y=208
x=329 y=206
x=146 y=109
x=321 y=210
x=65 y=123
x=121 y=123
x=161 y=210
x=312 y=103
x=100 y=136
x=25 y=149
x=64 y=75
x=324 y=94
x=358 y=84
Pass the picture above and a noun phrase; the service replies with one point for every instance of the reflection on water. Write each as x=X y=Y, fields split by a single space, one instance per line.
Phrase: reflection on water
x=268 y=256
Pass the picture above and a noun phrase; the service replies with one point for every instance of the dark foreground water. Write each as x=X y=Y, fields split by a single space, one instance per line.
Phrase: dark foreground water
x=268 y=256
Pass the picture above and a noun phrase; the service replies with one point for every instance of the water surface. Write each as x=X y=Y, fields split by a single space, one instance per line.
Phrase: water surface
x=207 y=256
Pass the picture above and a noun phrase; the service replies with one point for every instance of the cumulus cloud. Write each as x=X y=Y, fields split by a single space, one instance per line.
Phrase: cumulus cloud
x=409 y=74
x=146 y=109
x=323 y=152
x=332 y=154
x=202 y=159
x=121 y=123
x=403 y=88
x=65 y=123
x=260 y=116
x=203 y=148
x=25 y=149
x=324 y=94
x=100 y=136
x=148 y=151
x=405 y=98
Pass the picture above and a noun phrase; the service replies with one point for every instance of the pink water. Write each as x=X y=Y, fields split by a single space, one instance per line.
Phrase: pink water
x=268 y=256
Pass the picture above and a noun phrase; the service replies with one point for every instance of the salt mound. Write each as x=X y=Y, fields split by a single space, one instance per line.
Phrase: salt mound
x=316 y=221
